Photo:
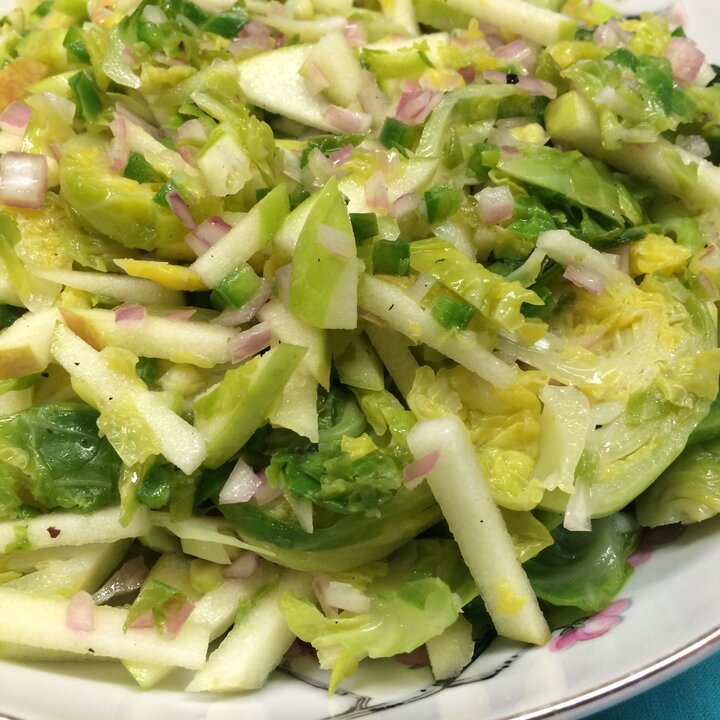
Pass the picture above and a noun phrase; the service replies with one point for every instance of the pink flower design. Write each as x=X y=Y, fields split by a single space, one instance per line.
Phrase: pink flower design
x=652 y=537
x=591 y=627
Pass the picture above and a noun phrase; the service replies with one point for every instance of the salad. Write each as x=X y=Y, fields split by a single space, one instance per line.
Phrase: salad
x=376 y=327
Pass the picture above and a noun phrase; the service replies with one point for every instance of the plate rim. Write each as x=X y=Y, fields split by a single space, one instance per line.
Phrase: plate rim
x=631 y=684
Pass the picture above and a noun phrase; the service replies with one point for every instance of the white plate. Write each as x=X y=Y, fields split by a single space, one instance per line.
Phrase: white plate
x=665 y=619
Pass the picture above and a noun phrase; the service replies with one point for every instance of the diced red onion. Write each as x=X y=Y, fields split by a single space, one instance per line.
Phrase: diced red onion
x=468 y=73
x=577 y=512
x=711 y=291
x=241 y=485
x=118 y=156
x=320 y=584
x=80 y=616
x=282 y=282
x=622 y=257
x=415 y=105
x=180 y=209
x=611 y=35
x=243 y=567
x=127 y=579
x=266 y=493
x=497 y=77
x=344 y=596
x=254 y=36
x=695 y=144
x=686 y=59
x=404 y=205
x=341 y=156
x=315 y=79
x=355 y=33
x=15 y=118
x=176 y=619
x=144 y=622
x=255 y=29
x=187 y=153
x=371 y=99
x=303 y=509
x=388 y=163
x=118 y=127
x=376 y=192
x=320 y=166
x=706 y=269
x=249 y=342
x=233 y=318
x=585 y=278
x=164 y=59
x=416 y=658
x=192 y=130
x=63 y=107
x=495 y=204
x=417 y=471
x=119 y=150
x=130 y=315
x=207 y=233
x=23 y=179
x=291 y=166
x=515 y=51
x=536 y=86
x=121 y=110
x=335 y=241
x=421 y=287
x=346 y=120
x=184 y=314
x=678 y=15
x=239 y=44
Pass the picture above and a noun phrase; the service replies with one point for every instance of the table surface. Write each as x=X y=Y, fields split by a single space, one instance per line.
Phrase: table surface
x=692 y=695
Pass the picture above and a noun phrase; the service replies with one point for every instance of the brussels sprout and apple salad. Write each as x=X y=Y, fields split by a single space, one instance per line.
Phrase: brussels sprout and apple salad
x=380 y=326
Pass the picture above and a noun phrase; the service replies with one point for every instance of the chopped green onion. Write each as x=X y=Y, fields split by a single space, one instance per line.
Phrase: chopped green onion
x=391 y=257
x=678 y=32
x=43 y=8
x=328 y=144
x=148 y=369
x=540 y=311
x=188 y=9
x=298 y=197
x=150 y=34
x=9 y=314
x=74 y=43
x=398 y=135
x=623 y=57
x=583 y=34
x=161 y=195
x=88 y=101
x=227 y=24
x=441 y=202
x=140 y=170
x=483 y=159
x=452 y=313
x=236 y=288
x=364 y=225
x=407 y=63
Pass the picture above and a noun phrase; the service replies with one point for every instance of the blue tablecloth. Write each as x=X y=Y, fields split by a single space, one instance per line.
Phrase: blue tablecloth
x=692 y=695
